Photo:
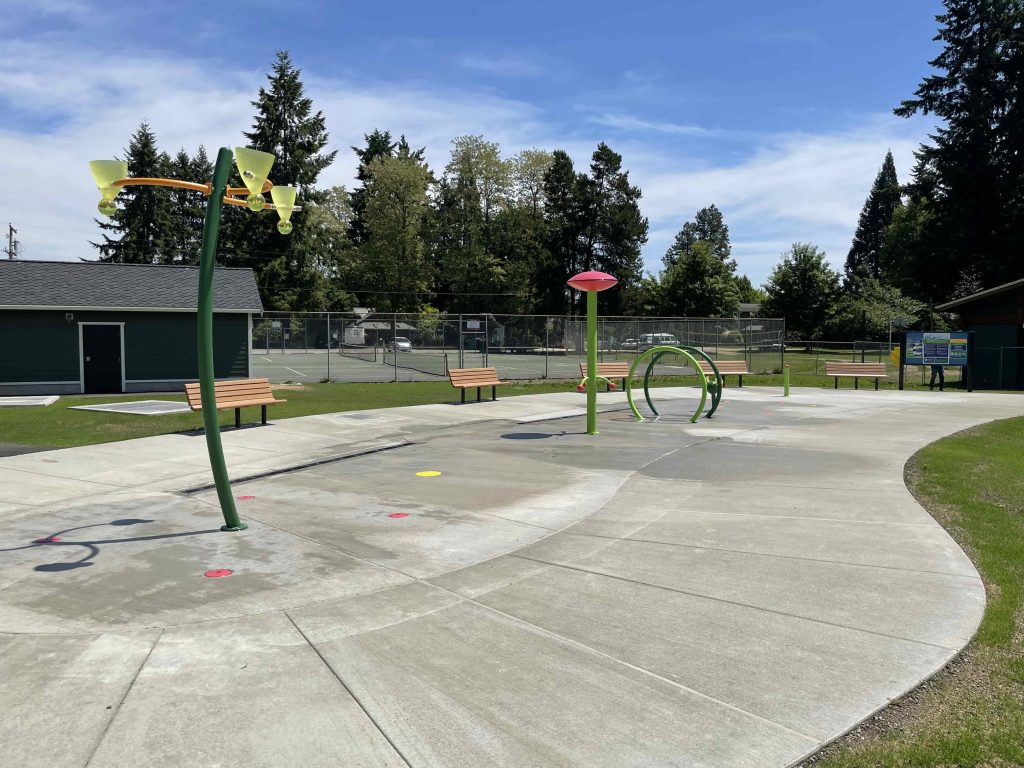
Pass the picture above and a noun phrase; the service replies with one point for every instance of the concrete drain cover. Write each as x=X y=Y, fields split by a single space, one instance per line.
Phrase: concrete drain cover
x=137 y=407
x=28 y=400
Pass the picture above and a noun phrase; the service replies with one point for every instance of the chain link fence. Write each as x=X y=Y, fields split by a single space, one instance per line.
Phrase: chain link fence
x=376 y=347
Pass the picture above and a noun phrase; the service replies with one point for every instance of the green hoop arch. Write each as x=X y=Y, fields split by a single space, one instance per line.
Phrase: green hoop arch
x=714 y=387
x=650 y=353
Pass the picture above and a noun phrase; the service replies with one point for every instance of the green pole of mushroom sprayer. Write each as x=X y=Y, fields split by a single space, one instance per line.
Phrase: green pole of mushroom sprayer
x=204 y=340
x=785 y=381
x=591 y=362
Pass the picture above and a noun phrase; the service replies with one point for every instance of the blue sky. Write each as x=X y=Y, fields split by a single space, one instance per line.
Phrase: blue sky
x=779 y=113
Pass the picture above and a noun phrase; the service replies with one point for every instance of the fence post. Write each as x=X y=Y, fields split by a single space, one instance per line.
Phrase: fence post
x=785 y=381
x=547 y=344
x=462 y=360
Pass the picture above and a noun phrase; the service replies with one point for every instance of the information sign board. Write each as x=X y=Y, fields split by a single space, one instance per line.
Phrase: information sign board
x=934 y=348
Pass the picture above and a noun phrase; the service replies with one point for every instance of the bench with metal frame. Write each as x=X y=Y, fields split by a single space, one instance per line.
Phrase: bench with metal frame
x=237 y=394
x=726 y=368
x=856 y=371
x=467 y=378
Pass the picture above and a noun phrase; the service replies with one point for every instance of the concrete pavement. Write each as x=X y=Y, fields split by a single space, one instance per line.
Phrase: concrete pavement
x=735 y=592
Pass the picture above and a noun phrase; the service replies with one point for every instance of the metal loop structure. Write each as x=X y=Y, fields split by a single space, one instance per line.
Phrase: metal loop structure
x=654 y=353
x=714 y=387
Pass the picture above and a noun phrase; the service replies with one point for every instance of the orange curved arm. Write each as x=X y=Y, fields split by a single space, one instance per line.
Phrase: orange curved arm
x=206 y=189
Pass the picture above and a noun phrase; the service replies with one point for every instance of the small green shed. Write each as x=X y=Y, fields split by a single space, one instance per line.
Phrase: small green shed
x=70 y=327
x=996 y=316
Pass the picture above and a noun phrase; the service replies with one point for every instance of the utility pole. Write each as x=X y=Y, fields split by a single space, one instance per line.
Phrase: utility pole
x=12 y=244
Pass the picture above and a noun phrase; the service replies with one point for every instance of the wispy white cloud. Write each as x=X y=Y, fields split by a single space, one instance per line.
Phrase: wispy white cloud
x=794 y=187
x=72 y=105
x=503 y=64
x=631 y=123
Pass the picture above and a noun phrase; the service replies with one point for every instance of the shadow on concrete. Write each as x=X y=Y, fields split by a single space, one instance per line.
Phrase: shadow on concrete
x=92 y=548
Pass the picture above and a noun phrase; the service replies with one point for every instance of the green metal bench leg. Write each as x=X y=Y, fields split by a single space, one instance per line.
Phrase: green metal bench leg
x=741 y=381
x=463 y=395
x=238 y=418
x=876 y=384
x=623 y=385
x=835 y=381
x=494 y=392
x=263 y=408
x=856 y=382
x=478 y=394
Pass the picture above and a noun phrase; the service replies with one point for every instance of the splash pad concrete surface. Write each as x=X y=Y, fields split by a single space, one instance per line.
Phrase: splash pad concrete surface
x=483 y=585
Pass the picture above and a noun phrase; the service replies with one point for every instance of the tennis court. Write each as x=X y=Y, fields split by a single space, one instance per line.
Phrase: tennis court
x=371 y=365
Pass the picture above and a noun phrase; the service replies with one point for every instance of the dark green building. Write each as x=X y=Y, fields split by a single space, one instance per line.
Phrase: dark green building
x=997 y=318
x=82 y=327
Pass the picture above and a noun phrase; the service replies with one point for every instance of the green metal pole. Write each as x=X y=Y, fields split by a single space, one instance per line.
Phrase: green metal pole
x=785 y=381
x=204 y=341
x=591 y=362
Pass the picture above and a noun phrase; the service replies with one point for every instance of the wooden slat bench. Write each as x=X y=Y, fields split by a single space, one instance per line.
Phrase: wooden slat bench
x=237 y=394
x=609 y=371
x=874 y=371
x=467 y=378
x=726 y=368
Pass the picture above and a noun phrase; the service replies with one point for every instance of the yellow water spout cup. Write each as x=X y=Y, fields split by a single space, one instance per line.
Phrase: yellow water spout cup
x=105 y=173
x=254 y=167
x=284 y=204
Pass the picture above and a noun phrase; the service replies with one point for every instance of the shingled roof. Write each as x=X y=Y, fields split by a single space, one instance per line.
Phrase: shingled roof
x=94 y=285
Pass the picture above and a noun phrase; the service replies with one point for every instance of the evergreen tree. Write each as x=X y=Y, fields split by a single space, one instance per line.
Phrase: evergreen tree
x=188 y=208
x=747 y=292
x=700 y=284
x=708 y=226
x=592 y=222
x=378 y=144
x=977 y=208
x=865 y=256
x=286 y=126
x=143 y=220
x=562 y=230
x=802 y=288
x=621 y=228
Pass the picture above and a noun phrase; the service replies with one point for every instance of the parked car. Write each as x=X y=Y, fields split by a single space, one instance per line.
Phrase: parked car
x=630 y=344
x=401 y=344
x=649 y=340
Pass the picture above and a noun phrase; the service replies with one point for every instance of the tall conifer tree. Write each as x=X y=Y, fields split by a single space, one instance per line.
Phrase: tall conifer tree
x=286 y=126
x=143 y=220
x=865 y=256
x=977 y=206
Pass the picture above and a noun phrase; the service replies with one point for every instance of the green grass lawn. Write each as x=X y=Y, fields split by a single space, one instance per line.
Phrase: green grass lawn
x=972 y=715
x=56 y=426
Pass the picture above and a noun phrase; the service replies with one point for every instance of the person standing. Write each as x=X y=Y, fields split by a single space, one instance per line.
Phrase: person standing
x=938 y=370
